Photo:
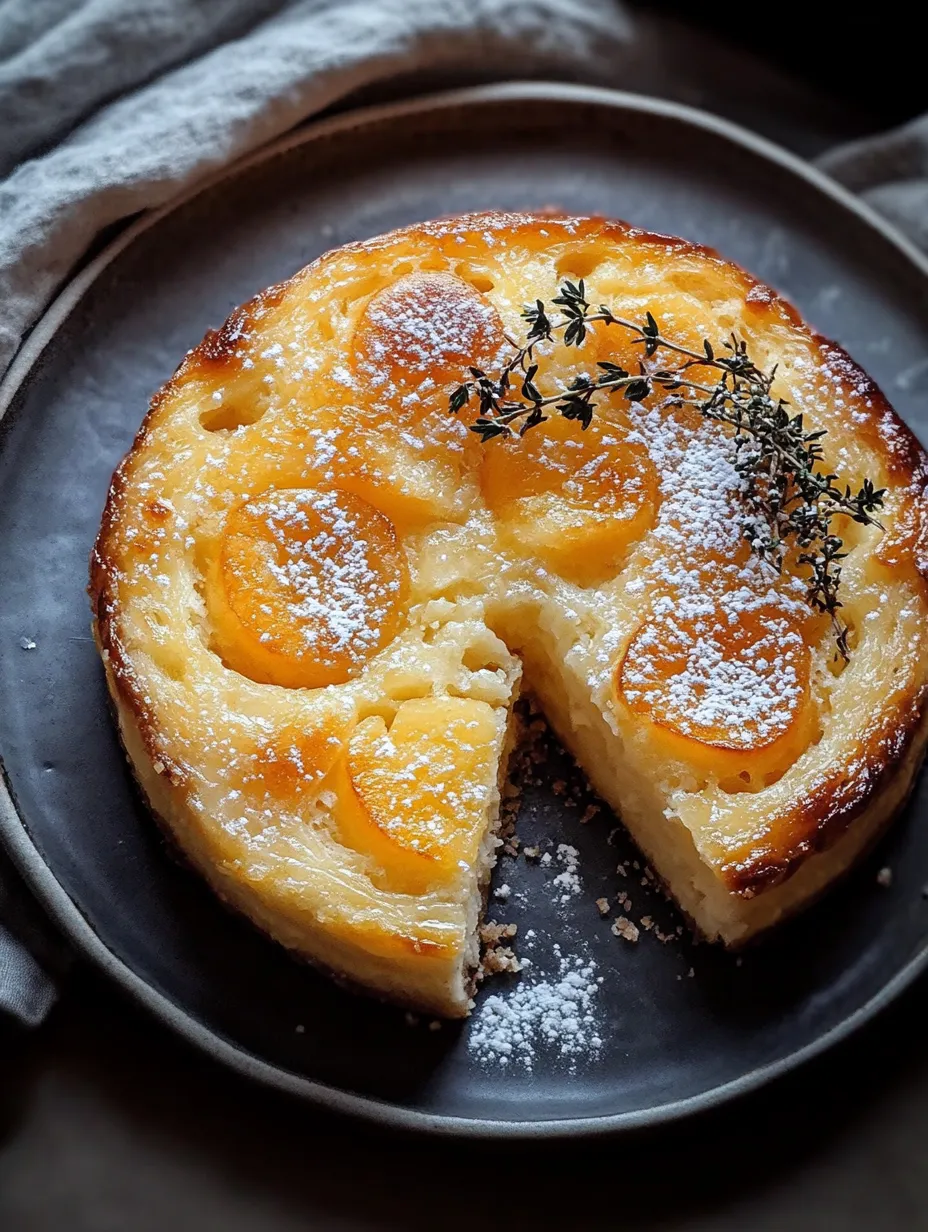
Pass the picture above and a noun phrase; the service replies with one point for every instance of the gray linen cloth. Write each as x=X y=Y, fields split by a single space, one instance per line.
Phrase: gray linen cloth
x=109 y=107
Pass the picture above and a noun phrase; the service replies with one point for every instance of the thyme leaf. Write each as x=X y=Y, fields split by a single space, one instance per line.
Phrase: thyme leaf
x=790 y=501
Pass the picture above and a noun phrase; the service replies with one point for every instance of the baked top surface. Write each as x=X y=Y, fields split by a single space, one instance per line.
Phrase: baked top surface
x=502 y=545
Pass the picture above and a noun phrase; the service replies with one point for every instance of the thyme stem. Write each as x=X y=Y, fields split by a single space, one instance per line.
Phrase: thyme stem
x=789 y=501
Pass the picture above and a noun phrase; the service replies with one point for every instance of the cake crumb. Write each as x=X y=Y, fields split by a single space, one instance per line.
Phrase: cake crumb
x=497 y=959
x=299 y=1028
x=884 y=877
x=435 y=1025
x=501 y=960
x=647 y=923
x=602 y=905
x=624 y=928
x=411 y=1019
x=531 y=853
x=589 y=813
x=27 y=643
x=502 y=892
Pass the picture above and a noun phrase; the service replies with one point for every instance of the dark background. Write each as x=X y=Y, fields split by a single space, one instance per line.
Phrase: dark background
x=109 y=1123
x=867 y=56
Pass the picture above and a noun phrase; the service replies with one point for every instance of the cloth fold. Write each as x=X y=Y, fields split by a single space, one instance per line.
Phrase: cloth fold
x=144 y=145
x=890 y=172
x=110 y=107
x=33 y=958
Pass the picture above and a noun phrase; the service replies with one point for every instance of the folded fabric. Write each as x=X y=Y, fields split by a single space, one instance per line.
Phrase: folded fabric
x=234 y=94
x=33 y=958
x=890 y=171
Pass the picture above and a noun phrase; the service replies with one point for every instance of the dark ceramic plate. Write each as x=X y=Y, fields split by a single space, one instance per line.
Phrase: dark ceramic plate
x=683 y=1028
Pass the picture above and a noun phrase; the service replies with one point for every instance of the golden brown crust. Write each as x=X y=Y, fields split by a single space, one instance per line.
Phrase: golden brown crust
x=823 y=815
x=121 y=676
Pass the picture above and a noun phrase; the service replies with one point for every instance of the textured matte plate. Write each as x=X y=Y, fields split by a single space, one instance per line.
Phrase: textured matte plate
x=673 y=1041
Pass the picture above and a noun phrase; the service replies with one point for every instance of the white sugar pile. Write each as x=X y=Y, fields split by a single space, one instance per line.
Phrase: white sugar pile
x=558 y=1013
x=568 y=881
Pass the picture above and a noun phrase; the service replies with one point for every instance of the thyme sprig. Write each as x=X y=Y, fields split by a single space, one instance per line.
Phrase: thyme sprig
x=790 y=500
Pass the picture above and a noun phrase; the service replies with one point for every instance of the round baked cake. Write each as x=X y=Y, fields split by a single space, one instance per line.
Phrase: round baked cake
x=316 y=592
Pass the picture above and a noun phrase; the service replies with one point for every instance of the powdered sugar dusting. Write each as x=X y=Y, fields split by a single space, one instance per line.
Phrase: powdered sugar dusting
x=336 y=594
x=426 y=321
x=710 y=682
x=720 y=654
x=568 y=882
x=697 y=550
x=558 y=1014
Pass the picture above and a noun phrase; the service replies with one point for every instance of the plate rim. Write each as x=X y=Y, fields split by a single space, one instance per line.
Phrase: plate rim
x=38 y=875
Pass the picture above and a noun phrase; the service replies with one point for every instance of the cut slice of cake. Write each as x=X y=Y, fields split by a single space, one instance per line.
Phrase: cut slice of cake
x=315 y=591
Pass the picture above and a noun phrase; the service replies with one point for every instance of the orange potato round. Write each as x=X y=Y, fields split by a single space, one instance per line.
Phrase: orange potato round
x=577 y=498
x=419 y=335
x=294 y=762
x=308 y=585
x=416 y=796
x=726 y=690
